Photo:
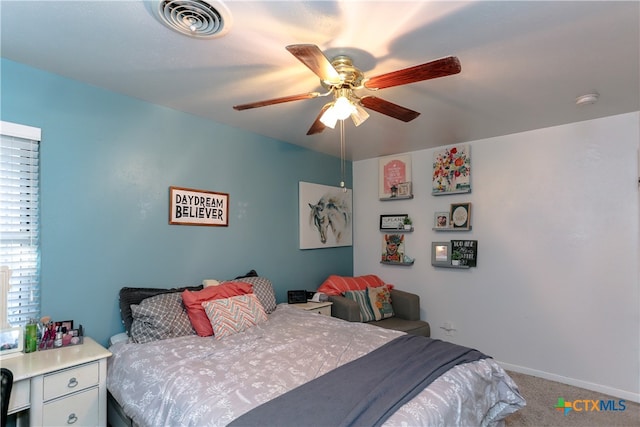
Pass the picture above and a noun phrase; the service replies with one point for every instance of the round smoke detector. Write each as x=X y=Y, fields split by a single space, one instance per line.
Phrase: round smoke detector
x=195 y=18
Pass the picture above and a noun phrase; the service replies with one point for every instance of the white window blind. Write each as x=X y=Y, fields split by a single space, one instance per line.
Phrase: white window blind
x=19 y=219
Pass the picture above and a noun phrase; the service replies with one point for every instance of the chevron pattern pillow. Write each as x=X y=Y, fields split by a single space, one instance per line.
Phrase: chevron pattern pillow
x=233 y=315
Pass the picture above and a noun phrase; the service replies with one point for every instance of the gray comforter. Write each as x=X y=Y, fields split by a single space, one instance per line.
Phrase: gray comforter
x=195 y=381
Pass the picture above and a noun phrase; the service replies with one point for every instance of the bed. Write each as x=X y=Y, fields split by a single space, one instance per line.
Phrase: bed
x=190 y=380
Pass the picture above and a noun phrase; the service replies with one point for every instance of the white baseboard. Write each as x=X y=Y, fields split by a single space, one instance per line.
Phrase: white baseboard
x=621 y=394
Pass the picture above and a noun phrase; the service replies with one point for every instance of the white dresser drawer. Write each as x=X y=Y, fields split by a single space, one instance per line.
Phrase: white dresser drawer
x=20 y=396
x=80 y=409
x=325 y=311
x=70 y=380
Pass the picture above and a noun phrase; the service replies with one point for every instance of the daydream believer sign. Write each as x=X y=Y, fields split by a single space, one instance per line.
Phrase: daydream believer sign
x=197 y=207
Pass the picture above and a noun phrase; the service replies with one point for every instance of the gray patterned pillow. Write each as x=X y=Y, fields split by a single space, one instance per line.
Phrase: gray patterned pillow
x=263 y=288
x=160 y=317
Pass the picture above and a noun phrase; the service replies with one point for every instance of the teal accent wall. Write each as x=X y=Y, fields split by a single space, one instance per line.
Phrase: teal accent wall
x=107 y=162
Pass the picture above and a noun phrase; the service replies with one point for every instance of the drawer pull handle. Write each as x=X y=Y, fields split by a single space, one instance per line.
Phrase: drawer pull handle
x=72 y=418
x=73 y=382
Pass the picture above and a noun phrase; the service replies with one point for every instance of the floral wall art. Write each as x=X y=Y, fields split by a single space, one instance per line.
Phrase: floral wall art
x=452 y=170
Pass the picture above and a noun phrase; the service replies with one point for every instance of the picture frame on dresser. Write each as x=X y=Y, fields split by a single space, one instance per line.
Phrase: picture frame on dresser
x=11 y=342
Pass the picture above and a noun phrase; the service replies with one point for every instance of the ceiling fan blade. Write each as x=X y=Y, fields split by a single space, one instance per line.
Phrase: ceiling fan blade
x=311 y=56
x=430 y=70
x=317 y=125
x=389 y=108
x=273 y=101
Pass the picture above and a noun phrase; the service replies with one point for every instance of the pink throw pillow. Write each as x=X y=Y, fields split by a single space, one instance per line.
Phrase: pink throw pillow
x=337 y=285
x=193 y=303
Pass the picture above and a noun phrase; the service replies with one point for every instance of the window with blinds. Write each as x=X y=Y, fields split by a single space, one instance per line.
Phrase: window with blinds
x=19 y=219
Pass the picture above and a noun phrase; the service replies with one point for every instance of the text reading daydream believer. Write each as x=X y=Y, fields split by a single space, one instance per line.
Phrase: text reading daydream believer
x=189 y=206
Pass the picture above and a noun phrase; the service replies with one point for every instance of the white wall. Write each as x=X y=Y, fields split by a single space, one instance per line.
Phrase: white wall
x=556 y=213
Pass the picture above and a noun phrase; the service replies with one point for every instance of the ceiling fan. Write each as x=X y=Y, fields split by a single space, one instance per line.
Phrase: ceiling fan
x=341 y=79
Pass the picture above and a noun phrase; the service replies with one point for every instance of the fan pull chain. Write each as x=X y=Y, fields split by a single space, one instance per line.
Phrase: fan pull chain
x=342 y=157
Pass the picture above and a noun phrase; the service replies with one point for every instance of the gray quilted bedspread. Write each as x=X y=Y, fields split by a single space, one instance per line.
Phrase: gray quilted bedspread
x=195 y=381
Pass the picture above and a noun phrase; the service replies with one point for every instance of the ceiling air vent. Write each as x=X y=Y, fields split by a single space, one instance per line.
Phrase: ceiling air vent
x=195 y=18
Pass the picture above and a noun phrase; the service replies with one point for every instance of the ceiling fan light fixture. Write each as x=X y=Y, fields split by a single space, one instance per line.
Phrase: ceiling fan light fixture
x=359 y=115
x=329 y=118
x=343 y=108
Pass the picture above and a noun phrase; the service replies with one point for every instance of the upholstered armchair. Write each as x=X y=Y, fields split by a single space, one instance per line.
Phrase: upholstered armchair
x=406 y=308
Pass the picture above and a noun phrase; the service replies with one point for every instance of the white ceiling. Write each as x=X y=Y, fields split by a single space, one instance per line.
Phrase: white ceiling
x=523 y=63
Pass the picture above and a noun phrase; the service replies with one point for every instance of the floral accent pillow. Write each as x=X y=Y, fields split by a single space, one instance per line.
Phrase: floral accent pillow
x=380 y=299
x=230 y=316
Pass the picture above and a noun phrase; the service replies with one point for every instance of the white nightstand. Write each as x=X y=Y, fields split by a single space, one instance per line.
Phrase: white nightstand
x=323 y=308
x=61 y=386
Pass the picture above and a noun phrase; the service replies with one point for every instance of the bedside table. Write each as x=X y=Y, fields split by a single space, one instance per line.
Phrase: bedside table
x=323 y=308
x=61 y=386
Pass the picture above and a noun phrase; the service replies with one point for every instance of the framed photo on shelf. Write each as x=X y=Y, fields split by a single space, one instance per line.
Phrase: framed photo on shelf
x=441 y=254
x=392 y=222
x=465 y=252
x=404 y=189
x=460 y=215
x=441 y=220
x=393 y=249
x=394 y=170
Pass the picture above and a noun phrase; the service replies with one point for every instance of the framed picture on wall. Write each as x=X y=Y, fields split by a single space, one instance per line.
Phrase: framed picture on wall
x=394 y=170
x=441 y=254
x=465 y=252
x=451 y=170
x=393 y=248
x=188 y=206
x=392 y=222
x=325 y=216
x=460 y=215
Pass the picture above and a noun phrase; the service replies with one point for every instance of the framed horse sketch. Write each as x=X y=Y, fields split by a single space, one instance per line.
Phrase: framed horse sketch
x=325 y=216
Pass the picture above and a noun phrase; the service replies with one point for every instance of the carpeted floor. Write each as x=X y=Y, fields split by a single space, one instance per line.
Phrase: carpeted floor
x=542 y=397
